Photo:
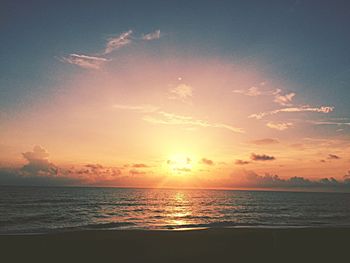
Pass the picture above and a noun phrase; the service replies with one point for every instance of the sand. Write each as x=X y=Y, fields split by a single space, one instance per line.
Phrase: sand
x=208 y=245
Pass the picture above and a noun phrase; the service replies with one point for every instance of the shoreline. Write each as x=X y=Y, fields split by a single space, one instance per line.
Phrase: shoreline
x=182 y=229
x=205 y=245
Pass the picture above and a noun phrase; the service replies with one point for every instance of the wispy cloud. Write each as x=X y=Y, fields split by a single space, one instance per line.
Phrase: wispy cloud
x=156 y=116
x=281 y=126
x=252 y=92
x=140 y=108
x=335 y=123
x=113 y=43
x=87 y=62
x=173 y=119
x=134 y=172
x=279 y=98
x=284 y=100
x=140 y=165
x=181 y=92
x=117 y=42
x=265 y=141
x=151 y=36
x=322 y=109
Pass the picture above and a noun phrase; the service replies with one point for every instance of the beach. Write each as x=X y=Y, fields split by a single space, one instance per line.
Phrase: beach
x=203 y=245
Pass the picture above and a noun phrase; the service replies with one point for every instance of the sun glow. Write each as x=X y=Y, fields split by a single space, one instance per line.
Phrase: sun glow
x=180 y=164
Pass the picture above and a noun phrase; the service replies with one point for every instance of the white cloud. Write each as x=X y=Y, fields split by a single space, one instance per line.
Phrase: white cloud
x=252 y=92
x=322 y=109
x=284 y=100
x=113 y=43
x=38 y=163
x=151 y=36
x=140 y=108
x=118 y=42
x=182 y=92
x=156 y=116
x=281 y=126
x=162 y=117
x=337 y=123
x=87 y=62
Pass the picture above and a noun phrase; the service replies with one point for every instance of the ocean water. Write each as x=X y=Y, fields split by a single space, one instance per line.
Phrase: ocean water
x=45 y=209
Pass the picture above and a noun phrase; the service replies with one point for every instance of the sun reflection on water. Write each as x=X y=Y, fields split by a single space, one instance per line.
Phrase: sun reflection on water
x=178 y=210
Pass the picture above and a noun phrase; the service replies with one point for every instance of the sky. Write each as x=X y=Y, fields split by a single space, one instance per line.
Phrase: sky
x=189 y=94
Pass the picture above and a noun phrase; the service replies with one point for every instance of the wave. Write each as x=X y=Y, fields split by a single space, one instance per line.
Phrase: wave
x=110 y=225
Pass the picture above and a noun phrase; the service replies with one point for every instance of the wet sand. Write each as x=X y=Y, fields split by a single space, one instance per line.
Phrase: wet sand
x=208 y=245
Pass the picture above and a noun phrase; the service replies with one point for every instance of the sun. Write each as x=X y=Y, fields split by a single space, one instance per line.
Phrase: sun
x=180 y=164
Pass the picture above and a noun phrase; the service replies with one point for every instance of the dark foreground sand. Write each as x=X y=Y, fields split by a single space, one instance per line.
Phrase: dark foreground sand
x=212 y=245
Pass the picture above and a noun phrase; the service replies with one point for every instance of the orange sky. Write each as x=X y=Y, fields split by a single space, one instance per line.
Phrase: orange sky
x=175 y=121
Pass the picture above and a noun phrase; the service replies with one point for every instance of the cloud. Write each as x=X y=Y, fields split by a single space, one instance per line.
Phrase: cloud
x=117 y=42
x=265 y=141
x=157 y=116
x=281 y=126
x=241 y=162
x=251 y=179
x=333 y=157
x=207 y=161
x=113 y=43
x=140 y=165
x=86 y=62
x=38 y=153
x=92 y=173
x=336 y=123
x=322 y=109
x=166 y=118
x=94 y=166
x=279 y=98
x=252 y=92
x=38 y=163
x=261 y=157
x=347 y=177
x=136 y=172
x=182 y=166
x=172 y=162
x=40 y=171
x=12 y=176
x=37 y=171
x=181 y=92
x=284 y=100
x=151 y=36
x=140 y=108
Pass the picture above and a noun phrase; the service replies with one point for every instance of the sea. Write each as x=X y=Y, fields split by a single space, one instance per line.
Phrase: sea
x=33 y=210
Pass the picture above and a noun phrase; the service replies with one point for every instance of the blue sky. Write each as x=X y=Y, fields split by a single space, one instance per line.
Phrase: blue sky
x=303 y=41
